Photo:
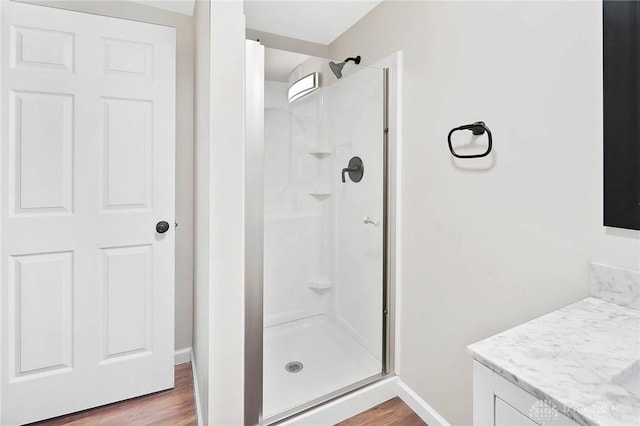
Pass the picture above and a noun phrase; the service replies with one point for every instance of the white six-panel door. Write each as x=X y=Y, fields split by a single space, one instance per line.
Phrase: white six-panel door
x=86 y=171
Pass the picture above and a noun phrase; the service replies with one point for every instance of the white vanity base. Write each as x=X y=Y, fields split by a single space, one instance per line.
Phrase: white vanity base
x=498 y=402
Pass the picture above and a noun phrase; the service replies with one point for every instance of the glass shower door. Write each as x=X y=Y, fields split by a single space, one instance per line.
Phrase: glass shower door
x=324 y=162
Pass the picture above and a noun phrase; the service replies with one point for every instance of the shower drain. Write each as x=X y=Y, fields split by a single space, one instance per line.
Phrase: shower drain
x=294 y=367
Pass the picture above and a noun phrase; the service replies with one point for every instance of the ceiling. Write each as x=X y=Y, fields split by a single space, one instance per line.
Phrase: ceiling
x=310 y=20
x=316 y=21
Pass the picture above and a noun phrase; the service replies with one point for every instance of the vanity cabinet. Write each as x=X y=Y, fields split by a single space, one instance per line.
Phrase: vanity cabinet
x=499 y=402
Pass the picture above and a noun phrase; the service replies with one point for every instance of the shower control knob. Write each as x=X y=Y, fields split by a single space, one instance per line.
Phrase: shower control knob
x=368 y=221
x=162 y=227
x=355 y=170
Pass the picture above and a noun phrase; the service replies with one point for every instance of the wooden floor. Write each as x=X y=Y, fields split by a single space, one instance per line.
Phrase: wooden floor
x=173 y=407
x=176 y=407
x=393 y=412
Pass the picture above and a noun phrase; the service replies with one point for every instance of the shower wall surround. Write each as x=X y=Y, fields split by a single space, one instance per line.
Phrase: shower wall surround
x=296 y=230
x=319 y=256
x=323 y=262
x=358 y=246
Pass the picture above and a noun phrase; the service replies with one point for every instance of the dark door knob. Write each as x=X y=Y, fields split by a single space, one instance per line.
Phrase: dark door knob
x=162 y=227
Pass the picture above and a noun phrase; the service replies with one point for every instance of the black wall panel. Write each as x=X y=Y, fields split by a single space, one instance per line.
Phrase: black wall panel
x=621 y=114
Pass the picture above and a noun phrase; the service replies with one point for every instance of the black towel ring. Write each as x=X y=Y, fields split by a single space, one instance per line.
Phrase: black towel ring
x=477 y=128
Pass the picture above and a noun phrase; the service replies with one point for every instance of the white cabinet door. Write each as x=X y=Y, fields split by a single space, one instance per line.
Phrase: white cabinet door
x=506 y=415
x=86 y=171
x=498 y=402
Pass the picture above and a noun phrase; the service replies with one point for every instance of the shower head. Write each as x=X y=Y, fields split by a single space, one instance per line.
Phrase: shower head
x=337 y=68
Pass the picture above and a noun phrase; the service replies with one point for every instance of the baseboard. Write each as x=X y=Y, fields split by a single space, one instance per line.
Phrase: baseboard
x=419 y=405
x=181 y=356
x=196 y=389
x=359 y=401
x=347 y=406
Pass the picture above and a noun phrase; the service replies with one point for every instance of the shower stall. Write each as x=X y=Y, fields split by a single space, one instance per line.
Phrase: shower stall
x=325 y=292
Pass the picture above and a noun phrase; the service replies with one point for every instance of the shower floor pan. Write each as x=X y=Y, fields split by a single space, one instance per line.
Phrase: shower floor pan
x=330 y=359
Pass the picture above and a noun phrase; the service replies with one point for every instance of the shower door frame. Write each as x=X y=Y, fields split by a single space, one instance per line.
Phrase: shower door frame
x=254 y=231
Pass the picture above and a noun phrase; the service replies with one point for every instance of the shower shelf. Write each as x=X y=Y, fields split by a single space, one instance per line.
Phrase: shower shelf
x=320 y=284
x=320 y=192
x=320 y=153
x=320 y=150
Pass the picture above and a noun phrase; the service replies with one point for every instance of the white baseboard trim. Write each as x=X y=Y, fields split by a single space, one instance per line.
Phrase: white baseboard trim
x=420 y=406
x=347 y=406
x=363 y=399
x=196 y=389
x=180 y=356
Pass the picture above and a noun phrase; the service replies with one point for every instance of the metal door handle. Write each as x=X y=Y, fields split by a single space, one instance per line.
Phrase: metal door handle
x=162 y=227
x=368 y=221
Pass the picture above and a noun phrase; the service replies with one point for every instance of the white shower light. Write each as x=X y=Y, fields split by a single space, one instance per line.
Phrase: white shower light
x=304 y=86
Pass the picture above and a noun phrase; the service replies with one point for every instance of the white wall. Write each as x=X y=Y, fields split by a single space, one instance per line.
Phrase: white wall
x=226 y=212
x=220 y=180
x=483 y=250
x=202 y=236
x=184 y=139
x=289 y=44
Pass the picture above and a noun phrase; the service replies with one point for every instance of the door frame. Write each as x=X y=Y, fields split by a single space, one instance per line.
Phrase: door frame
x=391 y=67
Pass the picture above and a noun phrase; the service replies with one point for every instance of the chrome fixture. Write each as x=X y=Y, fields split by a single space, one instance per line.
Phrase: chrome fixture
x=306 y=85
x=294 y=367
x=337 y=68
x=369 y=221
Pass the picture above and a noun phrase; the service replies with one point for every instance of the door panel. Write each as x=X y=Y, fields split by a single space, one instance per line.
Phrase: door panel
x=127 y=281
x=127 y=153
x=40 y=307
x=38 y=47
x=129 y=58
x=86 y=171
x=41 y=129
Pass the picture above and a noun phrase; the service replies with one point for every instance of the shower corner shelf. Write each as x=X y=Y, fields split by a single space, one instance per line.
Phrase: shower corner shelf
x=320 y=153
x=320 y=284
x=320 y=192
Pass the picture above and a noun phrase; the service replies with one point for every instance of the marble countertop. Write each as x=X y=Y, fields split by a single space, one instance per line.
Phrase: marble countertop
x=574 y=358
